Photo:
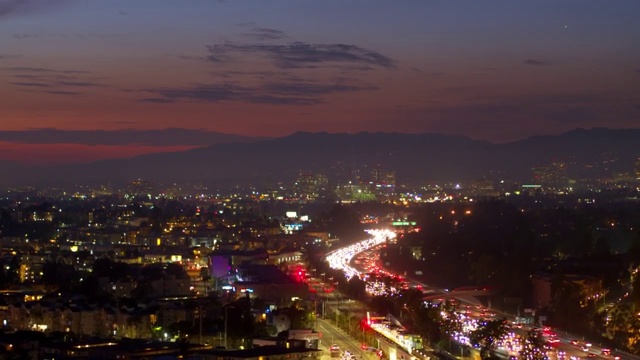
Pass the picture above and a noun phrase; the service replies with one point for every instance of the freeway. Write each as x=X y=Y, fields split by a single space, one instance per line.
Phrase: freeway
x=362 y=260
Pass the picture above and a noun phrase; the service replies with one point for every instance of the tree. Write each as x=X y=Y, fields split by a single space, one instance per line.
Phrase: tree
x=90 y=287
x=381 y=304
x=356 y=288
x=624 y=327
x=59 y=275
x=427 y=322
x=602 y=250
x=240 y=319
x=206 y=277
x=487 y=334
x=300 y=316
x=633 y=253
x=344 y=222
x=634 y=293
x=533 y=346
x=114 y=270
x=13 y=273
x=567 y=310
x=176 y=270
x=143 y=290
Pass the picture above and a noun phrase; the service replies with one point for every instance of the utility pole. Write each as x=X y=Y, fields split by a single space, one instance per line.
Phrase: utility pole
x=200 y=313
x=226 y=309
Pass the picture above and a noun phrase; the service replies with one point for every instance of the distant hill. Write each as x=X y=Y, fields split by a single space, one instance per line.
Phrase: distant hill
x=415 y=158
x=155 y=137
x=12 y=173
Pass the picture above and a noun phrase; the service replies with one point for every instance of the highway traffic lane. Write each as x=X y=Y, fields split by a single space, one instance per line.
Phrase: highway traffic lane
x=333 y=335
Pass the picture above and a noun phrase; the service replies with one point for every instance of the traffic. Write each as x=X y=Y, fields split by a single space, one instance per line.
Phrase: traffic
x=362 y=260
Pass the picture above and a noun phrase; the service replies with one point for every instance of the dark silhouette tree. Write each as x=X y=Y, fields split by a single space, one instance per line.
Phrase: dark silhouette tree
x=533 y=346
x=487 y=334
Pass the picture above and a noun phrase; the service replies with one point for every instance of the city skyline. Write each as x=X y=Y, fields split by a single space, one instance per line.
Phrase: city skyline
x=497 y=71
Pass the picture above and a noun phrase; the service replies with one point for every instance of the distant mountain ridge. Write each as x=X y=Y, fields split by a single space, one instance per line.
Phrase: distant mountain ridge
x=416 y=158
x=123 y=137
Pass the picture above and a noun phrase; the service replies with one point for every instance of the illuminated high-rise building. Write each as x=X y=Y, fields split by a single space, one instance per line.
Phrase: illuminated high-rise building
x=310 y=186
x=552 y=176
x=139 y=188
x=382 y=178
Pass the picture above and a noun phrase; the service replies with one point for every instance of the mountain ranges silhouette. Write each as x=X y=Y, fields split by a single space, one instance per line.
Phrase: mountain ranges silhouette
x=416 y=159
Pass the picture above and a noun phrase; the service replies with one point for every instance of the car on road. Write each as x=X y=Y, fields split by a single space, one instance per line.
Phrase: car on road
x=585 y=348
x=553 y=340
x=606 y=351
x=347 y=355
x=334 y=350
x=574 y=342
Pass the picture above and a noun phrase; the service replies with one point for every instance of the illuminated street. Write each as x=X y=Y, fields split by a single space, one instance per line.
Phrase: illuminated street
x=362 y=260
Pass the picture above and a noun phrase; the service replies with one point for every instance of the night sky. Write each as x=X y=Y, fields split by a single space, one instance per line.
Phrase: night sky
x=495 y=70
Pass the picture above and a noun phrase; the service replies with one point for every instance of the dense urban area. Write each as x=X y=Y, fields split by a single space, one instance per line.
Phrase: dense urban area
x=357 y=268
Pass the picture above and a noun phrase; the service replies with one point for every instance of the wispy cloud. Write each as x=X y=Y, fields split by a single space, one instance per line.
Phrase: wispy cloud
x=61 y=82
x=157 y=100
x=28 y=69
x=263 y=34
x=279 y=80
x=204 y=93
x=275 y=93
x=224 y=92
x=191 y=57
x=535 y=62
x=79 y=83
x=256 y=75
x=23 y=36
x=21 y=7
x=62 y=92
x=29 y=84
x=88 y=36
x=302 y=55
x=311 y=89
